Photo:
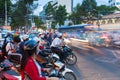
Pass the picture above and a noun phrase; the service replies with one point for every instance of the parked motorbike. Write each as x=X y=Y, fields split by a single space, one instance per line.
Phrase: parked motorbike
x=63 y=73
x=5 y=66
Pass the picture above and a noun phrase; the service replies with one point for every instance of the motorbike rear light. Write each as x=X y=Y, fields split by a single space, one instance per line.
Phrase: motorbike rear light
x=41 y=47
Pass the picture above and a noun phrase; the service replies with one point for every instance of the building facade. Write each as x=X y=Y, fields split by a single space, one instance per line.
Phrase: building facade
x=114 y=3
x=108 y=22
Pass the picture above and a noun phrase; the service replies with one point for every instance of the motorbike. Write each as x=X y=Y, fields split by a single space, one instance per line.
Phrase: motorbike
x=63 y=73
x=6 y=66
x=68 y=56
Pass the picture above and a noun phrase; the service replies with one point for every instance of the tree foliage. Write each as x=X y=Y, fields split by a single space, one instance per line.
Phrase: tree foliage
x=89 y=8
x=22 y=13
x=49 y=11
x=2 y=10
x=60 y=15
x=104 y=10
x=76 y=15
x=37 y=21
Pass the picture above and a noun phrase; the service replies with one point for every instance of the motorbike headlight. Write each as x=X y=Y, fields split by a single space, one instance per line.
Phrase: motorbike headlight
x=63 y=68
x=59 y=64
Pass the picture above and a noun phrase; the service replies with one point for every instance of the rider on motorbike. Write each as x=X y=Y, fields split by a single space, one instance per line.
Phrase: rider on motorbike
x=56 y=45
x=21 y=45
x=29 y=66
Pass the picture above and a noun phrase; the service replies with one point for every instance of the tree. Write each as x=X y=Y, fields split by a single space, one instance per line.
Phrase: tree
x=53 y=25
x=104 y=10
x=21 y=13
x=89 y=8
x=49 y=11
x=76 y=15
x=60 y=15
x=37 y=21
x=2 y=10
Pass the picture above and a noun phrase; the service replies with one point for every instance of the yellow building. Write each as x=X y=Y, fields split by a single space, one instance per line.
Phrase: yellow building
x=108 y=22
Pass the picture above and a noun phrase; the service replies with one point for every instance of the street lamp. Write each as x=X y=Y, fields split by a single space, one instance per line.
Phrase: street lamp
x=5 y=13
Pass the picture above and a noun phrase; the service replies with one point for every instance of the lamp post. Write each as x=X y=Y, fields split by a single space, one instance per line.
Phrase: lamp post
x=6 y=13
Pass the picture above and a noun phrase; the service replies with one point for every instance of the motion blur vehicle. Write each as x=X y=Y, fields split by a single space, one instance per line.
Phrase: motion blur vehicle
x=2 y=37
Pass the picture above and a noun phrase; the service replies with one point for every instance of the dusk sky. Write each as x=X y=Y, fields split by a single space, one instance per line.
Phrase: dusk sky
x=43 y=2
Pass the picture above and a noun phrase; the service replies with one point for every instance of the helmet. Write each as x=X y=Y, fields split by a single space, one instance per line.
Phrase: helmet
x=36 y=39
x=30 y=45
x=40 y=33
x=16 y=39
x=25 y=37
x=15 y=35
x=59 y=34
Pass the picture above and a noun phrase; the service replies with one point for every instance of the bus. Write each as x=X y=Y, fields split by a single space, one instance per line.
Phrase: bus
x=80 y=31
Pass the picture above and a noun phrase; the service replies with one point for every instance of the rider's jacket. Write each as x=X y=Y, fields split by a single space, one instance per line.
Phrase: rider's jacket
x=57 y=42
x=31 y=68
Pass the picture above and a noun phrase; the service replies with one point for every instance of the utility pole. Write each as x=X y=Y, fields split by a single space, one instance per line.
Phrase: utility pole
x=5 y=13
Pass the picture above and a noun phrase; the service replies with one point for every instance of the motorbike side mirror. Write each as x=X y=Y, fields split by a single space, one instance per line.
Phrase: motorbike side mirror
x=15 y=58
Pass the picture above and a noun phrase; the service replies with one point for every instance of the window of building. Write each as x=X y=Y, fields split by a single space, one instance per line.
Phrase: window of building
x=117 y=3
x=113 y=4
x=110 y=1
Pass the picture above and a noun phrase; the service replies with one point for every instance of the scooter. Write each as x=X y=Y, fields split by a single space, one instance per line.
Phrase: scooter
x=7 y=66
x=63 y=73
x=68 y=56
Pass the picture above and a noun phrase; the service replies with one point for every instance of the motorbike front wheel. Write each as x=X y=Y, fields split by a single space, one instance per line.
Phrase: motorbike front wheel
x=71 y=59
x=70 y=76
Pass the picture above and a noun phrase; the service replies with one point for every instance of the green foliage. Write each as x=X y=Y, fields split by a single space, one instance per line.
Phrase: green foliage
x=58 y=15
x=21 y=13
x=2 y=10
x=29 y=1
x=76 y=15
x=84 y=12
x=49 y=11
x=89 y=8
x=53 y=24
x=61 y=15
x=44 y=27
x=104 y=10
x=37 y=21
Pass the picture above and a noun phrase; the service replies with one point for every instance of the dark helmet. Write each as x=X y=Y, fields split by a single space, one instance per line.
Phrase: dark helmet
x=16 y=39
x=8 y=35
x=30 y=45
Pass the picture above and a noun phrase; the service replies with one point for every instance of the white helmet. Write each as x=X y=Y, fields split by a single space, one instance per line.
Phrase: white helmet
x=36 y=39
x=59 y=34
x=40 y=33
x=25 y=37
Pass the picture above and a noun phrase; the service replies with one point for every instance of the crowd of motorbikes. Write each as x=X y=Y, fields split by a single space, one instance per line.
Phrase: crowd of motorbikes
x=47 y=58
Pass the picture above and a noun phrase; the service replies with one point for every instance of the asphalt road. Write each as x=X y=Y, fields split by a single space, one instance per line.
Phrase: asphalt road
x=96 y=63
